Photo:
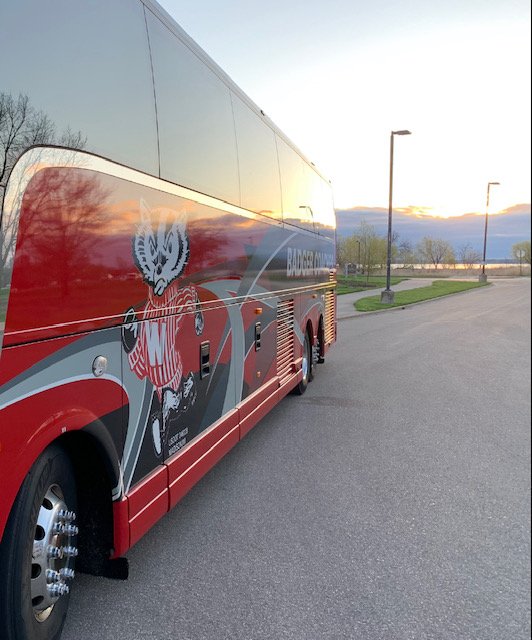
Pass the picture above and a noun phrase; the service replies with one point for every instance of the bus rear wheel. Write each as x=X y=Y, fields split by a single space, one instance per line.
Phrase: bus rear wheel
x=306 y=367
x=38 y=550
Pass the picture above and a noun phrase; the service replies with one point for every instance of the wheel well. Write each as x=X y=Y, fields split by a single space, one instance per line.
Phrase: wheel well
x=95 y=509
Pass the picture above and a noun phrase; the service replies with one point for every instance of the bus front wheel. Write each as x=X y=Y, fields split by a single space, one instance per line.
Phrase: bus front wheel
x=38 y=550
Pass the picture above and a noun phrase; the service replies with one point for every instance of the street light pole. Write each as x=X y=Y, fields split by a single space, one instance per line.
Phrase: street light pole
x=387 y=296
x=483 y=277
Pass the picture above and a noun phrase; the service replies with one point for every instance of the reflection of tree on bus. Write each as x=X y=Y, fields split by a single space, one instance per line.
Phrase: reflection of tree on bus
x=21 y=127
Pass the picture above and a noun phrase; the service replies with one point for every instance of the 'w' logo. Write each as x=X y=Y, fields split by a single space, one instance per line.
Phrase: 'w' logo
x=156 y=339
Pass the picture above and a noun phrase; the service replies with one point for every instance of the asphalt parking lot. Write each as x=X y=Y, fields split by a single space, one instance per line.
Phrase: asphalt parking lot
x=391 y=501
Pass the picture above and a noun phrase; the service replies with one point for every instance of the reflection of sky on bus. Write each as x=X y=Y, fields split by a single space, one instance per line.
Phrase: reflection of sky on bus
x=83 y=96
x=338 y=76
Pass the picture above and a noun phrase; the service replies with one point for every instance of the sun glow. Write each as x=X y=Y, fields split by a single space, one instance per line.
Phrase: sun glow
x=436 y=212
x=428 y=212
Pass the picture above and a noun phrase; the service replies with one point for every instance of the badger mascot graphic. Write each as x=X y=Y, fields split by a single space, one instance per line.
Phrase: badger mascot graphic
x=161 y=254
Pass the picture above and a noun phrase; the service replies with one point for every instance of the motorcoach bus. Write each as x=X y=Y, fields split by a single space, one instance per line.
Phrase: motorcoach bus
x=167 y=276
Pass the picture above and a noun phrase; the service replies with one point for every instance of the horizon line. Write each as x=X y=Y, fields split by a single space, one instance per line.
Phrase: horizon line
x=523 y=208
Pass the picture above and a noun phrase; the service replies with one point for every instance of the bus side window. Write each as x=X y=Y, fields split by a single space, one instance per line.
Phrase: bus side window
x=196 y=126
x=297 y=209
x=306 y=217
x=260 y=188
x=102 y=51
x=321 y=203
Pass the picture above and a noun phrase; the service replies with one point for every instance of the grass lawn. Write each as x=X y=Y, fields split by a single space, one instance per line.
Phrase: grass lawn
x=354 y=283
x=436 y=290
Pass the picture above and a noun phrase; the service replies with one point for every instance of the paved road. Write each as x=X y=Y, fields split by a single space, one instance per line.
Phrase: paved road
x=391 y=502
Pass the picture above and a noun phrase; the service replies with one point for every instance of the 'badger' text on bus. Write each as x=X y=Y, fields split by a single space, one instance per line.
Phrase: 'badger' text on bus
x=300 y=262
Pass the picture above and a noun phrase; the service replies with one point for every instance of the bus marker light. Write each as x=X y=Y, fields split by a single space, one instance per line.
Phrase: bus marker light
x=99 y=366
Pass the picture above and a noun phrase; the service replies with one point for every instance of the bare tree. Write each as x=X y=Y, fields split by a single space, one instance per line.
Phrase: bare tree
x=436 y=251
x=20 y=127
x=468 y=256
x=407 y=254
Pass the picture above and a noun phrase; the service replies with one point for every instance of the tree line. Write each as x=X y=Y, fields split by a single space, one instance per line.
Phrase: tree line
x=366 y=251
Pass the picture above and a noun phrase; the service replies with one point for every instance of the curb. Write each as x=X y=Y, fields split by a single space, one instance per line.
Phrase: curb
x=363 y=314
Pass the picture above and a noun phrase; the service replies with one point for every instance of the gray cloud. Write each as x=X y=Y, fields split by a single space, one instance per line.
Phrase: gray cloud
x=504 y=229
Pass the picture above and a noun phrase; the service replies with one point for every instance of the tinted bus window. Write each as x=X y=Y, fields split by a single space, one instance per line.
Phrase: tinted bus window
x=295 y=184
x=320 y=197
x=84 y=70
x=196 y=127
x=260 y=189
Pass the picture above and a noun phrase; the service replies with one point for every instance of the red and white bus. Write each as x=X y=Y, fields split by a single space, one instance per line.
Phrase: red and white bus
x=167 y=276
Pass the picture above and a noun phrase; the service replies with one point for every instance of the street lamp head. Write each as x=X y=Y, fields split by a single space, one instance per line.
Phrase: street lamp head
x=493 y=183
x=403 y=132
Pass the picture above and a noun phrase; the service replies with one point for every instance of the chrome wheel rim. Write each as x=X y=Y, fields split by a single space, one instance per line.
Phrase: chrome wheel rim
x=53 y=553
x=305 y=363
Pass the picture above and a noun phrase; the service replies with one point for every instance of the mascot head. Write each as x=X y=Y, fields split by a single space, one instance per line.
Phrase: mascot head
x=161 y=252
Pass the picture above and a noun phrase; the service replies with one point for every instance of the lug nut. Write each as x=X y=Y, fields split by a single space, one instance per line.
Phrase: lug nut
x=70 y=552
x=71 y=530
x=58 y=528
x=58 y=590
x=55 y=552
x=66 y=516
x=53 y=576
x=66 y=573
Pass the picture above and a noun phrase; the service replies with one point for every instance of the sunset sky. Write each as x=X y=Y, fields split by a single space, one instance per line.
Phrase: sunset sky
x=338 y=76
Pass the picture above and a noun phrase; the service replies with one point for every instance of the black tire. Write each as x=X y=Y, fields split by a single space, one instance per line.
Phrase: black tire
x=301 y=387
x=19 y=616
x=315 y=351
x=321 y=342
